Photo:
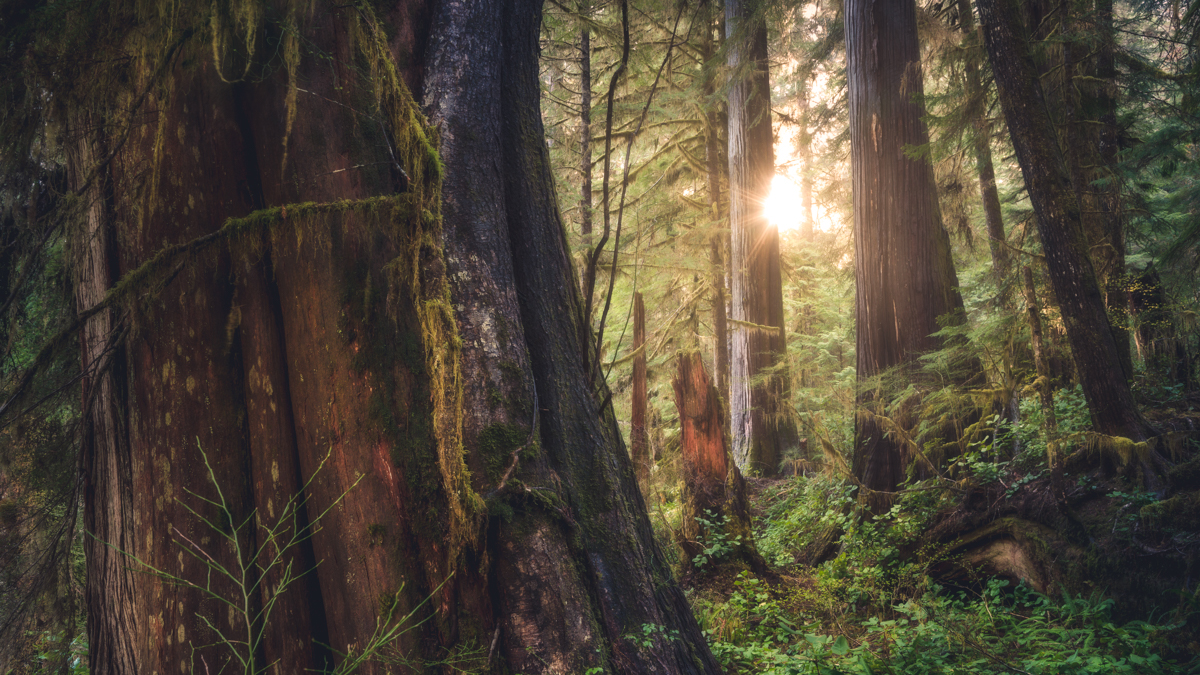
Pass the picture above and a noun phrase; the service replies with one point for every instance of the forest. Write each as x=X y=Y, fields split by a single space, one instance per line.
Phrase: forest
x=794 y=337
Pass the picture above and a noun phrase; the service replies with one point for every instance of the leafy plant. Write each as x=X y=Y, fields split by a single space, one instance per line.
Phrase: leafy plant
x=716 y=542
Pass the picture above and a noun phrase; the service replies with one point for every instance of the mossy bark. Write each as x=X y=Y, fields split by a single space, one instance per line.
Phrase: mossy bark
x=340 y=289
x=1094 y=344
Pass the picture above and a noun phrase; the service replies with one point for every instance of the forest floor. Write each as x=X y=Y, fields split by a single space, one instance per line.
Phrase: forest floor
x=987 y=575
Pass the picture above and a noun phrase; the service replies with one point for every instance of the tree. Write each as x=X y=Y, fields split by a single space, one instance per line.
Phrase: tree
x=763 y=428
x=904 y=272
x=639 y=440
x=977 y=112
x=281 y=261
x=1049 y=182
x=713 y=487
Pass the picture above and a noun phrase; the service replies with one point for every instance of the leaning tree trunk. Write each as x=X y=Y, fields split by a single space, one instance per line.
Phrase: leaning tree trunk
x=1093 y=345
x=335 y=310
x=903 y=269
x=714 y=490
x=762 y=425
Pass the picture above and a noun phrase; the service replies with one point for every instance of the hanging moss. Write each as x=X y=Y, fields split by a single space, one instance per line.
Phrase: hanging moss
x=416 y=149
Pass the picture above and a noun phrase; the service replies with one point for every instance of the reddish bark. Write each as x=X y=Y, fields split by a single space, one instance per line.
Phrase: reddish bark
x=904 y=272
x=320 y=334
x=714 y=488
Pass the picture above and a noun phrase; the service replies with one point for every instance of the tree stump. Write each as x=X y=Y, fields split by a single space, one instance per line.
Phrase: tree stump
x=714 y=490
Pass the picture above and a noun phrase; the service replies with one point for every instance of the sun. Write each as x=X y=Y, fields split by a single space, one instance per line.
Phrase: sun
x=784 y=207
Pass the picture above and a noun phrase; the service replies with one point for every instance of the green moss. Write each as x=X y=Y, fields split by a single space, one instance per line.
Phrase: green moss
x=497 y=443
x=411 y=354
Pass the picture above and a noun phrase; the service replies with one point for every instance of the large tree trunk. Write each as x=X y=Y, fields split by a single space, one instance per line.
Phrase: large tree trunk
x=903 y=269
x=107 y=487
x=410 y=315
x=1093 y=345
x=761 y=421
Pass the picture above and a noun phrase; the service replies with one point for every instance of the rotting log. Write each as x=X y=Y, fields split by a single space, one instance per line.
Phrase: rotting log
x=713 y=487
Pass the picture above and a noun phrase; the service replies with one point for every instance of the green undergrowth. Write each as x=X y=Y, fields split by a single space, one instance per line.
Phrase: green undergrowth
x=1001 y=629
x=854 y=593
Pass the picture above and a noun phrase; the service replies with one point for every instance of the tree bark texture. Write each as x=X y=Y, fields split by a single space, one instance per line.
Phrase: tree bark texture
x=903 y=268
x=761 y=421
x=1048 y=179
x=713 y=487
x=105 y=445
x=398 y=325
x=1075 y=66
x=639 y=441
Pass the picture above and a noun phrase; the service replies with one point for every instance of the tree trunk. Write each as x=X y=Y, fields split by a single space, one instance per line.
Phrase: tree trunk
x=1109 y=197
x=719 y=242
x=761 y=420
x=903 y=269
x=112 y=585
x=585 y=127
x=393 y=341
x=1097 y=357
x=1044 y=389
x=713 y=488
x=638 y=440
x=806 y=160
x=977 y=111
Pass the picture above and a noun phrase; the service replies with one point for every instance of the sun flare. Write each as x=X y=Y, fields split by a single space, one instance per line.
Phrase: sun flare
x=784 y=206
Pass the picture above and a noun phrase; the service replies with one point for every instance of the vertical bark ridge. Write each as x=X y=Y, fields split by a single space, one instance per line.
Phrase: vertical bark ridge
x=903 y=267
x=107 y=490
x=626 y=577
